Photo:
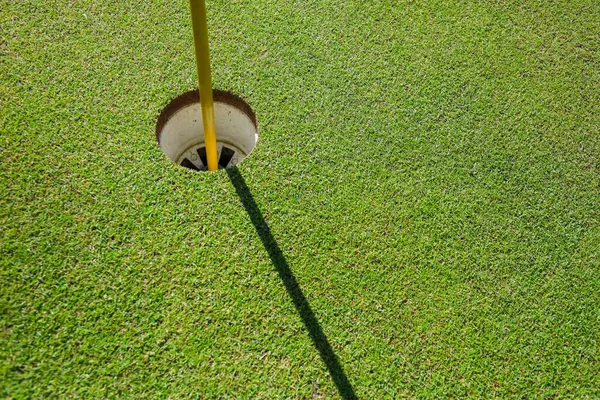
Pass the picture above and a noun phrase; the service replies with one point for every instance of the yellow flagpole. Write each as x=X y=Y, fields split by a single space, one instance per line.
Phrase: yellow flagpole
x=200 y=29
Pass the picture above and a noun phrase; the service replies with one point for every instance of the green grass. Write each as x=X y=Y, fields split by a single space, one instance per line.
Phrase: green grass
x=429 y=170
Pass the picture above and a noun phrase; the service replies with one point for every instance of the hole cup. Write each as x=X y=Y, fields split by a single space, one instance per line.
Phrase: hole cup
x=180 y=132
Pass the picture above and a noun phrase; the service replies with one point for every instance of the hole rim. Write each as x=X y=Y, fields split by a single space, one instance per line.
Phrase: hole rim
x=193 y=96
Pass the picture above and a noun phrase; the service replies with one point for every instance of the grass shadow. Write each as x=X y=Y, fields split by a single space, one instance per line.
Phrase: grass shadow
x=291 y=286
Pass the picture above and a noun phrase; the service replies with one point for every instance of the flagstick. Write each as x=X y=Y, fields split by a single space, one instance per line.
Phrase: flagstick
x=200 y=29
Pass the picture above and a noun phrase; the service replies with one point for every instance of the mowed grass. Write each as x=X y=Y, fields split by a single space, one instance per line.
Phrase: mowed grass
x=429 y=170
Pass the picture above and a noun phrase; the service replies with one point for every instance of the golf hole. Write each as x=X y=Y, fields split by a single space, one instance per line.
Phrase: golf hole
x=180 y=133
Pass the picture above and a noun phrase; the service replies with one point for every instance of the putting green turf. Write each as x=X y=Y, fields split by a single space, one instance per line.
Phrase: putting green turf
x=429 y=170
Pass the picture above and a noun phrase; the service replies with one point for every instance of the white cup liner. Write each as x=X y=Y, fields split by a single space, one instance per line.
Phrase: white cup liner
x=180 y=132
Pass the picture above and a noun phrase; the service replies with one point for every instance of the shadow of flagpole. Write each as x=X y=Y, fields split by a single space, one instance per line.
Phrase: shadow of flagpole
x=291 y=285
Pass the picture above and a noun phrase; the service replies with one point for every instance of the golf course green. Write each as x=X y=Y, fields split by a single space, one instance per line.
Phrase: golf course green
x=420 y=217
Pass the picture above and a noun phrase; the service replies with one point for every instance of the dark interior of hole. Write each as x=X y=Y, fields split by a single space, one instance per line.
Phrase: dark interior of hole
x=202 y=153
x=226 y=155
x=188 y=164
